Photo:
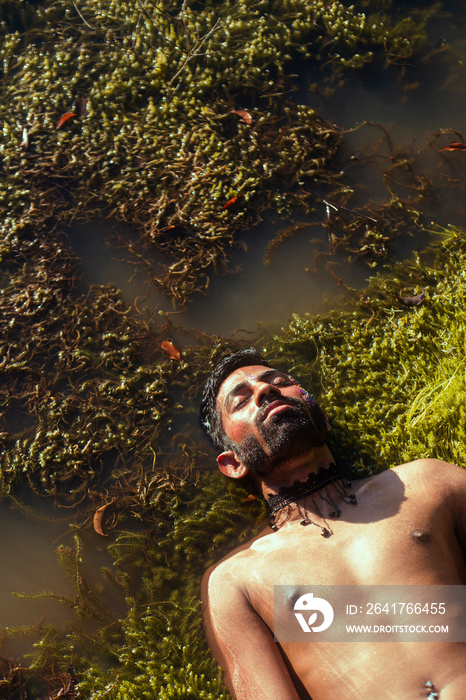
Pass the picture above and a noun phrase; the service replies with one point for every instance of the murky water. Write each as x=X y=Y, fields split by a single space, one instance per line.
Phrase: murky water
x=32 y=578
x=255 y=294
x=28 y=545
x=252 y=293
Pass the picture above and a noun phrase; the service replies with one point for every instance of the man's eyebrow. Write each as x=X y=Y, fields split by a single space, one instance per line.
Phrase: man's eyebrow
x=244 y=384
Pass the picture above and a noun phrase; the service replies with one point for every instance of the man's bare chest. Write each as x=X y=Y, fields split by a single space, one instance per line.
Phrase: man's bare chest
x=404 y=548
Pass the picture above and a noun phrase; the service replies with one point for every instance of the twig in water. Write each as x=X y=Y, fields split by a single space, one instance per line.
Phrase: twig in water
x=79 y=13
x=337 y=207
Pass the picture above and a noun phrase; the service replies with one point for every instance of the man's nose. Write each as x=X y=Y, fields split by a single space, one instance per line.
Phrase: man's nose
x=263 y=391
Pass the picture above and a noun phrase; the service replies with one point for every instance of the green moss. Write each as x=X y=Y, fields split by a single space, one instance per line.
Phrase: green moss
x=392 y=375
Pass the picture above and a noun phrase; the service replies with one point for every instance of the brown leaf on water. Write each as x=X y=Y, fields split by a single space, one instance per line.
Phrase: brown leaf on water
x=170 y=349
x=80 y=107
x=244 y=116
x=251 y=497
x=98 y=516
x=457 y=146
x=412 y=301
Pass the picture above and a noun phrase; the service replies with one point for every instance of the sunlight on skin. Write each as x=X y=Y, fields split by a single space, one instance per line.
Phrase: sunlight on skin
x=305 y=393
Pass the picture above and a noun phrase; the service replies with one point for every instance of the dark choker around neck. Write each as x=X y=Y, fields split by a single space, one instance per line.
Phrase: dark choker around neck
x=316 y=483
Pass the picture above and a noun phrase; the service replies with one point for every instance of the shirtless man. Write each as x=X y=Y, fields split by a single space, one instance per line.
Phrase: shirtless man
x=406 y=525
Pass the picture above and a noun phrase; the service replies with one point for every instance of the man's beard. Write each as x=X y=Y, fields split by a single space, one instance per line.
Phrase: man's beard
x=288 y=433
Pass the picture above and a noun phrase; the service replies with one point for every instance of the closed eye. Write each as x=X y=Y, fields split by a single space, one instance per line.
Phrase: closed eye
x=281 y=381
x=240 y=402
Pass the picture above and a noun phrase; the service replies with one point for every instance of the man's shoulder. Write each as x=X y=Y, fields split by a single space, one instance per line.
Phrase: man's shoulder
x=426 y=466
x=432 y=474
x=236 y=561
x=423 y=475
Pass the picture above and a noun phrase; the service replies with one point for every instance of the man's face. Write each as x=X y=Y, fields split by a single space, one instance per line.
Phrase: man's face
x=268 y=418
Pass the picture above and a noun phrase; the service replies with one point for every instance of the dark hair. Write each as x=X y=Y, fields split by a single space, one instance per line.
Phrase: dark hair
x=210 y=416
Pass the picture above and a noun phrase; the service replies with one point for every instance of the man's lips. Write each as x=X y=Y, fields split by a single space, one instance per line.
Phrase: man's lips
x=276 y=407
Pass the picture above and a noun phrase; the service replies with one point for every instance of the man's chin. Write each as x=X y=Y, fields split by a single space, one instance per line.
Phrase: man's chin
x=288 y=434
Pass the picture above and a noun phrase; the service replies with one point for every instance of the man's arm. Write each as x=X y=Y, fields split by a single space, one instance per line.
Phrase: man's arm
x=241 y=642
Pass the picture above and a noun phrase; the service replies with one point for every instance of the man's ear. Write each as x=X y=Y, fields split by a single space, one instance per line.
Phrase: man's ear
x=230 y=465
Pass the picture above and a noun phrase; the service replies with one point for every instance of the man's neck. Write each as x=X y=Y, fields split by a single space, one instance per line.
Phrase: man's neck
x=294 y=470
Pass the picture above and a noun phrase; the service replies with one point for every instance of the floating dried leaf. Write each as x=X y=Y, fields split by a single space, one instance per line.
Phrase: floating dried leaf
x=245 y=116
x=64 y=118
x=457 y=146
x=412 y=301
x=98 y=516
x=170 y=349
x=231 y=201
x=80 y=107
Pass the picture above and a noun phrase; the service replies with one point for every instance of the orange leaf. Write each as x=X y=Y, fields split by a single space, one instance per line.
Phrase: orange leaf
x=231 y=201
x=64 y=118
x=453 y=147
x=245 y=116
x=98 y=515
x=170 y=349
x=251 y=497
